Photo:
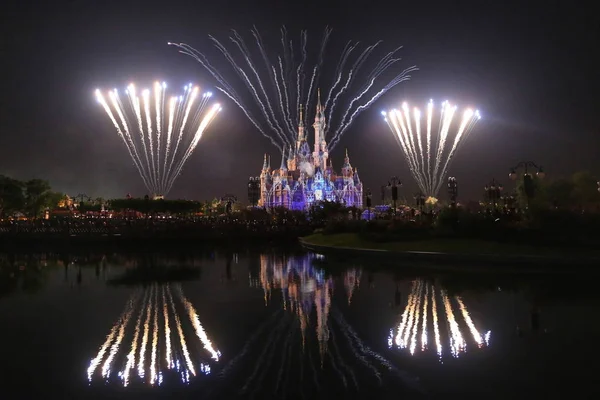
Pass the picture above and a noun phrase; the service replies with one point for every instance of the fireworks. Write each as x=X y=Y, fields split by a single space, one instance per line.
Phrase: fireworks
x=423 y=140
x=282 y=83
x=157 y=131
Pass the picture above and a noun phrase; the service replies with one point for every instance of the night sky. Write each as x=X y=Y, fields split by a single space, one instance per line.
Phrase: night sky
x=531 y=70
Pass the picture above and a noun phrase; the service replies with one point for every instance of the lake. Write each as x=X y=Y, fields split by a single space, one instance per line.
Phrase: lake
x=287 y=325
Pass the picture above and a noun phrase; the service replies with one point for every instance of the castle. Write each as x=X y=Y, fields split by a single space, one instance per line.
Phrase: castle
x=307 y=177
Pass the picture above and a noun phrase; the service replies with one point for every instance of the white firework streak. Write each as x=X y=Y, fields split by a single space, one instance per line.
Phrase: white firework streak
x=149 y=113
x=283 y=108
x=429 y=165
x=146 y=103
x=404 y=76
x=186 y=115
x=110 y=114
x=286 y=109
x=225 y=88
x=277 y=122
x=269 y=67
x=244 y=76
x=203 y=125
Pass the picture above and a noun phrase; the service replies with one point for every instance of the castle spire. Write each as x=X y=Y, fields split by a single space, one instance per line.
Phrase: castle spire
x=282 y=166
x=319 y=98
x=301 y=123
x=265 y=166
x=269 y=166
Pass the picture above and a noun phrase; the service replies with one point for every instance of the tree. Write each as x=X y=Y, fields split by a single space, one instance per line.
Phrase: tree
x=585 y=189
x=52 y=199
x=36 y=195
x=12 y=198
x=560 y=193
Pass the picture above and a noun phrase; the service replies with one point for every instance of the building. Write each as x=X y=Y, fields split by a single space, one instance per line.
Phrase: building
x=307 y=177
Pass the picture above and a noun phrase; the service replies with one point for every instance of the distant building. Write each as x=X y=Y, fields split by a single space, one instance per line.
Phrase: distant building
x=307 y=177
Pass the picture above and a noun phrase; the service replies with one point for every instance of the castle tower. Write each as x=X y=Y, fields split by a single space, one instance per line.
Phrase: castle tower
x=264 y=178
x=347 y=171
x=291 y=161
x=320 y=153
x=301 y=136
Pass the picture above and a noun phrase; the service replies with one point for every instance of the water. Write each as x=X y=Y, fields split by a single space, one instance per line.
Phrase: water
x=295 y=326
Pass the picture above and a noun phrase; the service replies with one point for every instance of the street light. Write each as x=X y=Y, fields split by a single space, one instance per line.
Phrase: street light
x=525 y=165
x=452 y=190
x=493 y=192
x=394 y=183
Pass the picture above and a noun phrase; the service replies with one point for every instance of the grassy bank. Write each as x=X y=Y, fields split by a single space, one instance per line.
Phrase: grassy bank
x=452 y=246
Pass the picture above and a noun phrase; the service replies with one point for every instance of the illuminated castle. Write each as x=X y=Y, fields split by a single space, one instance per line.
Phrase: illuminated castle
x=307 y=177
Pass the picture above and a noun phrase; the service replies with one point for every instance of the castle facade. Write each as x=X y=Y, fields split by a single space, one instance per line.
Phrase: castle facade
x=307 y=177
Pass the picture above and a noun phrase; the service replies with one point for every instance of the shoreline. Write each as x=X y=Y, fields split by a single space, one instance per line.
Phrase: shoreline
x=480 y=262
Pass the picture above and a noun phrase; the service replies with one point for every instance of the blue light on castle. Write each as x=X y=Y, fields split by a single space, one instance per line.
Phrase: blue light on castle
x=307 y=177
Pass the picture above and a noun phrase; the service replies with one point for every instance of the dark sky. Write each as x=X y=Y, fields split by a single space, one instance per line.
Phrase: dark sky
x=531 y=69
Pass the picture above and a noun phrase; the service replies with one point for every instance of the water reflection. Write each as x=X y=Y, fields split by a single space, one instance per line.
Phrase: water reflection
x=421 y=313
x=156 y=351
x=307 y=347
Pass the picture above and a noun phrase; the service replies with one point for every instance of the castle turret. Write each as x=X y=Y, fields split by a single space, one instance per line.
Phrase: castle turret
x=320 y=153
x=291 y=161
x=347 y=167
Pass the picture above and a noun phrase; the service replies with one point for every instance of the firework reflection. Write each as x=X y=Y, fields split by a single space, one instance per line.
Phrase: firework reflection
x=155 y=350
x=422 y=303
x=306 y=348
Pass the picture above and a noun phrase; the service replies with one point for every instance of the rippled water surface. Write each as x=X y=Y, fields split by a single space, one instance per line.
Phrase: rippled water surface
x=287 y=326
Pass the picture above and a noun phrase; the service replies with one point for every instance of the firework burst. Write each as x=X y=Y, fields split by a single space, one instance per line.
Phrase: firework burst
x=281 y=82
x=160 y=134
x=423 y=140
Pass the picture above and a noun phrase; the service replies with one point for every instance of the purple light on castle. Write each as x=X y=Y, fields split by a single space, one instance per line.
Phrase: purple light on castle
x=306 y=177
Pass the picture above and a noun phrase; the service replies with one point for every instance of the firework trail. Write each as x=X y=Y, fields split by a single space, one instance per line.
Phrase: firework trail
x=288 y=78
x=424 y=144
x=143 y=123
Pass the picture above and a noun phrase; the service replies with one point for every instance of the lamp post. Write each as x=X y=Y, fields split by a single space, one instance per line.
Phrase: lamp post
x=394 y=183
x=82 y=197
x=452 y=190
x=527 y=178
x=253 y=190
x=493 y=192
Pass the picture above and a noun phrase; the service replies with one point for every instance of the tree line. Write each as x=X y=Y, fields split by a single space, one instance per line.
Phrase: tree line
x=29 y=197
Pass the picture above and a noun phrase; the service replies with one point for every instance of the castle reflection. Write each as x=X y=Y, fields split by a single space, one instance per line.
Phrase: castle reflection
x=307 y=348
x=157 y=345
x=426 y=303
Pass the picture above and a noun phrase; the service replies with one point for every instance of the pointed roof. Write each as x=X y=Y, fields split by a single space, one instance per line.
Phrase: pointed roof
x=265 y=165
x=347 y=161
x=301 y=121
x=356 y=177
x=282 y=166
